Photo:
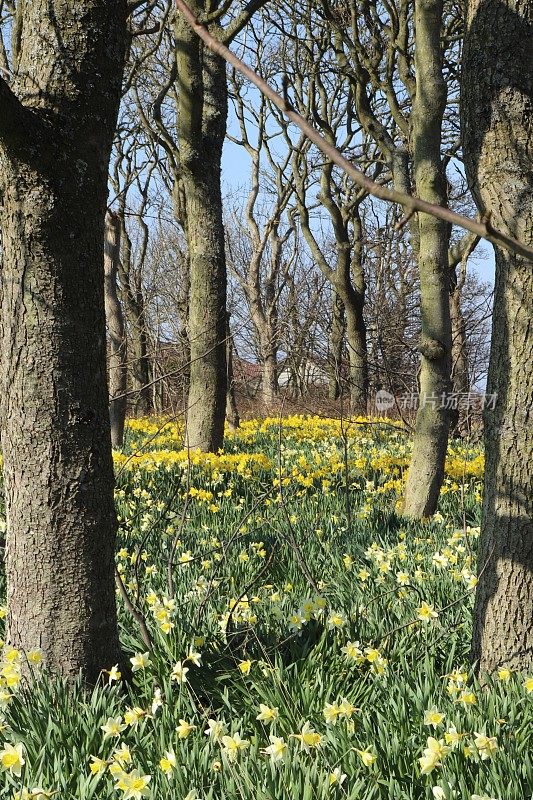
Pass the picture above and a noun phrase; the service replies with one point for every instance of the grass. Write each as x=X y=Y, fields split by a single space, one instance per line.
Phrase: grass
x=317 y=608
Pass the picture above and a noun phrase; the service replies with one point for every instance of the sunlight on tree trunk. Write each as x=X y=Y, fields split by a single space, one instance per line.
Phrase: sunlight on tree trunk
x=56 y=129
x=117 y=360
x=497 y=117
x=426 y=471
x=201 y=128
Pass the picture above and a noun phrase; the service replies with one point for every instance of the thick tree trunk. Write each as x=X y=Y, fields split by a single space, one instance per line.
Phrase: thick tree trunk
x=117 y=364
x=497 y=117
x=426 y=471
x=336 y=338
x=201 y=130
x=54 y=148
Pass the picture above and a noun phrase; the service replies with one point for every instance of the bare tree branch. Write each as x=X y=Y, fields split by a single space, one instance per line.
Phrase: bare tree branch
x=235 y=27
x=410 y=203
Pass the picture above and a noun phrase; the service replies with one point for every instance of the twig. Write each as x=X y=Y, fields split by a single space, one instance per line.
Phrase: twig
x=135 y=613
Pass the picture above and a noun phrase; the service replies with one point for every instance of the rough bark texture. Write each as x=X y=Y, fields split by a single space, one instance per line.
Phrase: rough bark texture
x=426 y=471
x=497 y=111
x=117 y=361
x=56 y=130
x=202 y=117
x=337 y=333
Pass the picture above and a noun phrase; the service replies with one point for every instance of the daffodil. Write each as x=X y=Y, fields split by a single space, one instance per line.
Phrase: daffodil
x=97 y=765
x=337 y=777
x=133 y=715
x=433 y=718
x=12 y=758
x=485 y=745
x=233 y=745
x=113 y=727
x=35 y=656
x=366 y=756
x=134 y=785
x=277 y=748
x=433 y=755
x=267 y=714
x=168 y=763
x=467 y=699
x=331 y=713
x=426 y=613
x=194 y=657
x=215 y=729
x=184 y=729
x=179 y=673
x=139 y=661
x=113 y=674
x=309 y=739
x=353 y=651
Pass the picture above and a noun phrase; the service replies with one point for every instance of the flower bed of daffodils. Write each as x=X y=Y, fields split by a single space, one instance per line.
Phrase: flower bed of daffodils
x=305 y=641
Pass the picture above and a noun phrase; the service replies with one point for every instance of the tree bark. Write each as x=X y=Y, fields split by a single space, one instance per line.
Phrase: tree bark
x=458 y=256
x=56 y=130
x=202 y=115
x=426 y=471
x=497 y=122
x=354 y=301
x=232 y=411
x=117 y=363
x=337 y=333
x=133 y=300
x=269 y=384
x=459 y=376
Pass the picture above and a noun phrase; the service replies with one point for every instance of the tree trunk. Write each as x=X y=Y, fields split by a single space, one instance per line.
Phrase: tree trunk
x=232 y=411
x=497 y=117
x=460 y=377
x=426 y=471
x=117 y=364
x=201 y=129
x=133 y=302
x=354 y=302
x=357 y=354
x=140 y=360
x=337 y=334
x=56 y=130
x=270 y=376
